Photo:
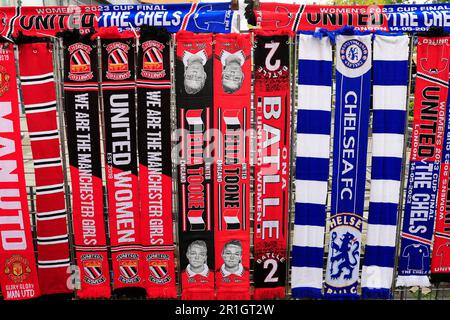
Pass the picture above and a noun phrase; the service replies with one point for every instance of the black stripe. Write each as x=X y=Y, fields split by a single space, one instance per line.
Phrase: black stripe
x=11 y=23
x=53 y=263
x=41 y=162
x=36 y=79
x=51 y=215
x=41 y=189
x=41 y=135
x=429 y=78
x=41 y=107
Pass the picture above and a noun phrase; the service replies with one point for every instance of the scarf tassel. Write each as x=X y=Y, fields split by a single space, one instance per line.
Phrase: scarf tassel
x=163 y=293
x=198 y=295
x=368 y=293
x=233 y=295
x=305 y=293
x=269 y=293
x=412 y=281
x=94 y=293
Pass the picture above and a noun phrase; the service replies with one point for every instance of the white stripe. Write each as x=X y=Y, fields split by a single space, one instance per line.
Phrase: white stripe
x=54 y=265
x=53 y=237
x=389 y=97
x=307 y=277
x=44 y=132
x=376 y=277
x=32 y=83
x=387 y=145
x=47 y=165
x=381 y=235
x=308 y=236
x=384 y=191
x=46 y=213
x=50 y=218
x=39 y=161
x=311 y=191
x=390 y=48
x=50 y=186
x=38 y=76
x=48 y=243
x=313 y=145
x=314 y=97
x=54 y=261
x=311 y=48
x=230 y=220
x=43 y=104
x=40 y=110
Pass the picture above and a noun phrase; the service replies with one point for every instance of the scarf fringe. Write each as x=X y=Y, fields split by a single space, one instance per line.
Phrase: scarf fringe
x=162 y=293
x=370 y=293
x=198 y=295
x=347 y=296
x=233 y=295
x=94 y=293
x=269 y=293
x=307 y=293
x=413 y=281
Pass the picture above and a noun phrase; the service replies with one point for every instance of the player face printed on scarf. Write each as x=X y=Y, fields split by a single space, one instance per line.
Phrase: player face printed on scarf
x=232 y=74
x=232 y=256
x=194 y=73
x=197 y=255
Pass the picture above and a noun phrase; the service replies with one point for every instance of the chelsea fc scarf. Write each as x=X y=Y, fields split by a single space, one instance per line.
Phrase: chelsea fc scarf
x=390 y=78
x=195 y=163
x=18 y=276
x=155 y=163
x=38 y=89
x=232 y=72
x=118 y=92
x=312 y=163
x=271 y=199
x=426 y=148
x=440 y=261
x=83 y=141
x=353 y=88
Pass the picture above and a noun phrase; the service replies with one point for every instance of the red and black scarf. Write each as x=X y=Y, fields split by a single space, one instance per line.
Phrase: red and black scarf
x=39 y=99
x=118 y=92
x=232 y=74
x=155 y=163
x=272 y=103
x=194 y=100
x=83 y=140
x=18 y=276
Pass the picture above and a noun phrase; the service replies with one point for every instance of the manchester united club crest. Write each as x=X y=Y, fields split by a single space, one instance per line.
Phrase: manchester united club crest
x=17 y=268
x=4 y=80
x=152 y=60
x=93 y=268
x=118 y=68
x=158 y=265
x=80 y=62
x=128 y=267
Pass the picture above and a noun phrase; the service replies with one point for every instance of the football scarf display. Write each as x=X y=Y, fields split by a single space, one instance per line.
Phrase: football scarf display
x=440 y=261
x=194 y=99
x=232 y=98
x=312 y=164
x=426 y=148
x=351 y=124
x=83 y=141
x=271 y=199
x=18 y=276
x=118 y=91
x=390 y=79
x=155 y=163
x=39 y=99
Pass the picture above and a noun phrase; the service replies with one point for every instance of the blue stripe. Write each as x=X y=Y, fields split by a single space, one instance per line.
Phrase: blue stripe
x=310 y=214
x=386 y=168
x=314 y=72
x=306 y=292
x=390 y=73
x=379 y=256
x=370 y=293
x=314 y=121
x=315 y=169
x=383 y=213
x=307 y=257
x=389 y=121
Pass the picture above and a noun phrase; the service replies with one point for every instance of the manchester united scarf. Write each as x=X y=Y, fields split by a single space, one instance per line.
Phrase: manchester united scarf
x=83 y=140
x=155 y=163
x=18 y=276
x=390 y=78
x=194 y=99
x=426 y=148
x=312 y=163
x=232 y=191
x=353 y=88
x=271 y=199
x=118 y=92
x=440 y=261
x=38 y=89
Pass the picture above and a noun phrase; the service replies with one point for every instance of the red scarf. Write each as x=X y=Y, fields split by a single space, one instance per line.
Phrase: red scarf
x=18 y=276
x=118 y=89
x=38 y=89
x=155 y=164
x=272 y=101
x=232 y=74
x=83 y=141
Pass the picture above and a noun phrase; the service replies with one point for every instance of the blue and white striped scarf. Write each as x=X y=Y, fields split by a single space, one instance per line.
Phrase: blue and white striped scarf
x=312 y=164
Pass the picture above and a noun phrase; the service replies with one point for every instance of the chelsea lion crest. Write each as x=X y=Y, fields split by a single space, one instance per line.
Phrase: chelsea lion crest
x=354 y=54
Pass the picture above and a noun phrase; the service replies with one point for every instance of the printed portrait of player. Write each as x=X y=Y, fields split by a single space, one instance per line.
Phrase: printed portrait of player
x=232 y=74
x=232 y=259
x=197 y=255
x=194 y=71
